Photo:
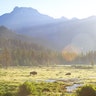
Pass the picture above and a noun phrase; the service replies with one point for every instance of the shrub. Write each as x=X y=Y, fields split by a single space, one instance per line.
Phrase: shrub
x=40 y=89
x=26 y=89
x=1 y=93
x=86 y=91
x=8 y=94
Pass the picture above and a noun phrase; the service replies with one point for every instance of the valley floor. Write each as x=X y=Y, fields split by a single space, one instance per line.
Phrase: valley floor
x=78 y=75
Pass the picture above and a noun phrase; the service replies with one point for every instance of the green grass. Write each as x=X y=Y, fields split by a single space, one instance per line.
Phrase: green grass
x=13 y=77
x=37 y=88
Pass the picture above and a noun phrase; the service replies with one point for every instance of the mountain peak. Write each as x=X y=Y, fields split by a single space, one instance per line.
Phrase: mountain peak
x=74 y=18
x=24 y=9
x=92 y=17
x=16 y=8
x=23 y=17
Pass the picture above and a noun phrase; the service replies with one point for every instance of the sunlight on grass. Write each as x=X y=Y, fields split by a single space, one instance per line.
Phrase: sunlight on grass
x=15 y=76
x=22 y=74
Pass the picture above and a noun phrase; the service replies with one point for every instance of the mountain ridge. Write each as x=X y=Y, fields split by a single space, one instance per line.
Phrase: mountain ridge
x=53 y=33
x=16 y=18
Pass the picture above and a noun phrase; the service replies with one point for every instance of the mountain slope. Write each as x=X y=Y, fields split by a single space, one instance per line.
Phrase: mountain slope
x=56 y=34
x=17 y=50
x=22 y=17
x=79 y=33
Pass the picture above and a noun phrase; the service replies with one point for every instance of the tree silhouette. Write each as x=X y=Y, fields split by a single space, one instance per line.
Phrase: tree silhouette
x=6 y=58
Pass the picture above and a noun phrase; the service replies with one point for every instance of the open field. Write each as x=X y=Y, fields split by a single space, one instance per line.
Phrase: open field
x=21 y=74
x=14 y=76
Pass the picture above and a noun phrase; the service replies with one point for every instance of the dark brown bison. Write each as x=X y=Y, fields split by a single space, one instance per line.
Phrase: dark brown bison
x=68 y=73
x=33 y=73
x=45 y=90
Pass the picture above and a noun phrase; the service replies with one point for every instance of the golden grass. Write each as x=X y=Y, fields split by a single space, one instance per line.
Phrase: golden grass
x=21 y=74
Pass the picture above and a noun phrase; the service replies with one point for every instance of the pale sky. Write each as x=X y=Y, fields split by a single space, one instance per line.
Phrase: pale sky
x=54 y=8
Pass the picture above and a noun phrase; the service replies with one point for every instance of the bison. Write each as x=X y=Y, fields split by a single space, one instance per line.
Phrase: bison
x=33 y=73
x=68 y=73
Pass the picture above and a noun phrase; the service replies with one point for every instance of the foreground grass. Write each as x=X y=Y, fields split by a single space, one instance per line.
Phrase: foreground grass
x=13 y=77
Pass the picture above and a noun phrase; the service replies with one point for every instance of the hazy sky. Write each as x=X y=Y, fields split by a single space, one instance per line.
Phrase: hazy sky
x=54 y=8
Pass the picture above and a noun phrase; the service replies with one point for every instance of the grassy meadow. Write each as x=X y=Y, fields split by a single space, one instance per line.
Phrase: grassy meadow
x=13 y=77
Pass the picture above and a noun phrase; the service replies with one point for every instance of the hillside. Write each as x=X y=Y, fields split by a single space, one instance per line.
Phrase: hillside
x=78 y=33
x=55 y=34
x=17 y=51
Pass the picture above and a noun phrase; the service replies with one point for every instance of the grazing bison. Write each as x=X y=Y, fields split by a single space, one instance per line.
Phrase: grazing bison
x=33 y=73
x=68 y=73
x=45 y=90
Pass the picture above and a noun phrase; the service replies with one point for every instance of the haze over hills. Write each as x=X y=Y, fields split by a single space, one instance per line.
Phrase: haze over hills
x=53 y=33
x=17 y=49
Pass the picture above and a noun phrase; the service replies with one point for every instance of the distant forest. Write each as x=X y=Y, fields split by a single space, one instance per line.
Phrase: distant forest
x=16 y=52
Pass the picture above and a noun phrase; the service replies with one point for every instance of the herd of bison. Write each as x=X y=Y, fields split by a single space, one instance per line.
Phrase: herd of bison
x=35 y=73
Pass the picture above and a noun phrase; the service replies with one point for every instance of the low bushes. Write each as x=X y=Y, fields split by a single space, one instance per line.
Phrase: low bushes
x=40 y=88
x=26 y=89
x=86 y=91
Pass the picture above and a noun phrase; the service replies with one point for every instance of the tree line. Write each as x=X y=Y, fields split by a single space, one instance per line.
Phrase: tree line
x=21 y=53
